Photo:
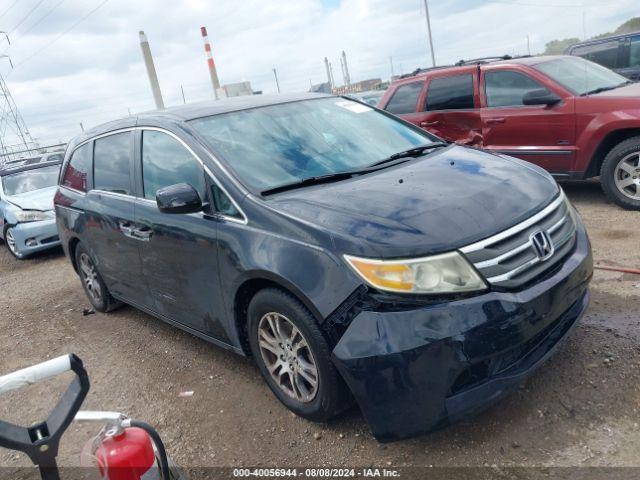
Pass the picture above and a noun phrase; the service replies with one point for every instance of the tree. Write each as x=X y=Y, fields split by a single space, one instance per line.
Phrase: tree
x=555 y=47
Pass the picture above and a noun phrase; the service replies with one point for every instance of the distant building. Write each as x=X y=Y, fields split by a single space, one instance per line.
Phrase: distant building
x=362 y=86
x=321 y=88
x=237 y=89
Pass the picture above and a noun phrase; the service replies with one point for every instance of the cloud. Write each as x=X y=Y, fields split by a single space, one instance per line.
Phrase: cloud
x=95 y=72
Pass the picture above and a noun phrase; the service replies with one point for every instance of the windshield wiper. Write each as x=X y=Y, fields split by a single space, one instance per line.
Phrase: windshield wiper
x=605 y=89
x=412 y=152
x=330 y=177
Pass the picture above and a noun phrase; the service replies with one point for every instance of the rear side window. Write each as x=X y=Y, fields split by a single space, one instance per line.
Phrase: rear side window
x=112 y=163
x=606 y=53
x=405 y=98
x=76 y=175
x=165 y=162
x=450 y=93
x=506 y=89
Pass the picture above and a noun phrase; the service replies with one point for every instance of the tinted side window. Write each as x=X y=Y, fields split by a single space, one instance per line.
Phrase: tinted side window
x=76 y=175
x=166 y=162
x=506 y=89
x=450 y=93
x=606 y=53
x=223 y=204
x=405 y=98
x=634 y=52
x=112 y=163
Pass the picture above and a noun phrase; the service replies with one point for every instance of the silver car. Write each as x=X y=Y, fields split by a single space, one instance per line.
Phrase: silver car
x=27 y=217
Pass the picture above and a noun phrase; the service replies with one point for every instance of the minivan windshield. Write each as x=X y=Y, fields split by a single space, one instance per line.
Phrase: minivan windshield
x=581 y=76
x=281 y=144
x=30 y=180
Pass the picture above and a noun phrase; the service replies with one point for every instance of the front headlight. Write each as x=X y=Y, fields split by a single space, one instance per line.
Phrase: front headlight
x=444 y=273
x=33 y=215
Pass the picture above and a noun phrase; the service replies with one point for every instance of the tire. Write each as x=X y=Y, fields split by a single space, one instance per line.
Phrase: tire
x=621 y=165
x=92 y=282
x=10 y=243
x=330 y=396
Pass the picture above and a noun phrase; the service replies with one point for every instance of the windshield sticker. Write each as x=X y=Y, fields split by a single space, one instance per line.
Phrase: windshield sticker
x=354 y=107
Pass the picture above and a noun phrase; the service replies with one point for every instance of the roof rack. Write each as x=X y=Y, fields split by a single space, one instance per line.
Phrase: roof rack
x=479 y=61
x=422 y=70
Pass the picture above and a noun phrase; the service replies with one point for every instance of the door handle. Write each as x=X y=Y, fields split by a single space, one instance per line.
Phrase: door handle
x=496 y=120
x=430 y=124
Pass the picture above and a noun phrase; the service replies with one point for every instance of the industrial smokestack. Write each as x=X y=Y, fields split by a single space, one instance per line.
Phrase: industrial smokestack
x=212 y=66
x=347 y=77
x=326 y=66
x=151 y=70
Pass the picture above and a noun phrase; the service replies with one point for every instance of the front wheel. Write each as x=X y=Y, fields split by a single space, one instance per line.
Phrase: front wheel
x=11 y=243
x=620 y=174
x=293 y=356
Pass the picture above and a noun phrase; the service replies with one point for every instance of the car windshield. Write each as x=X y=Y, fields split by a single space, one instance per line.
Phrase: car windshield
x=281 y=144
x=581 y=76
x=30 y=180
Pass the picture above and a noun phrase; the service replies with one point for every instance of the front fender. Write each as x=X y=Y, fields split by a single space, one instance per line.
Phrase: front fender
x=596 y=127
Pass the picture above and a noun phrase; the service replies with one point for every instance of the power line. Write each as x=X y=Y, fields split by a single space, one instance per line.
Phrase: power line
x=26 y=16
x=10 y=7
x=62 y=34
x=39 y=21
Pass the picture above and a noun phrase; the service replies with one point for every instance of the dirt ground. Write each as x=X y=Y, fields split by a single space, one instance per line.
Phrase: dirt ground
x=581 y=409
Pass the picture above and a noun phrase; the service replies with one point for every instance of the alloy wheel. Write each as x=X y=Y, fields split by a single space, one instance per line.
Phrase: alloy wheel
x=11 y=242
x=627 y=176
x=89 y=276
x=287 y=356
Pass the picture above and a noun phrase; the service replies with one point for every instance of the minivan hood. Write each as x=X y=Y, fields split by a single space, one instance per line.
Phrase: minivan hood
x=439 y=202
x=41 y=199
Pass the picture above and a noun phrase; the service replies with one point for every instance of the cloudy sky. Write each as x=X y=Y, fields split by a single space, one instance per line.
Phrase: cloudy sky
x=79 y=60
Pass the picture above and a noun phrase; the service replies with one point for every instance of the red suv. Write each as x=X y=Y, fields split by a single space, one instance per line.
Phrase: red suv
x=566 y=114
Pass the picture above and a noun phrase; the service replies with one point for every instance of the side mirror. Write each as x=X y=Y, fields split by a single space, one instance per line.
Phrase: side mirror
x=178 y=198
x=541 y=96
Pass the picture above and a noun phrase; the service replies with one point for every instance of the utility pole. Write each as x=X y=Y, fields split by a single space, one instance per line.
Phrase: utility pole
x=528 y=46
x=183 y=99
x=391 y=63
x=151 y=70
x=275 y=74
x=212 y=66
x=347 y=77
x=426 y=11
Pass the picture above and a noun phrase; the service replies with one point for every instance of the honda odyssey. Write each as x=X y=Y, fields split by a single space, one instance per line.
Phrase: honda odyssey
x=352 y=255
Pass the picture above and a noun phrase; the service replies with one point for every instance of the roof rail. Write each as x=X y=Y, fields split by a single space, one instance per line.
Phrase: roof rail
x=479 y=61
x=422 y=70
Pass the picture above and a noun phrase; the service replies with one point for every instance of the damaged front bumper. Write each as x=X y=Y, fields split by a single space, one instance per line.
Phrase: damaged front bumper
x=32 y=237
x=415 y=370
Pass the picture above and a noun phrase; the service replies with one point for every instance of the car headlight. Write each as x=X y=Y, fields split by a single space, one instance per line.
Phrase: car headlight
x=33 y=215
x=444 y=273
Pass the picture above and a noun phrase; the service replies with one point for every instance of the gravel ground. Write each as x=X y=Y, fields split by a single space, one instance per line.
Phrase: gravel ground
x=581 y=409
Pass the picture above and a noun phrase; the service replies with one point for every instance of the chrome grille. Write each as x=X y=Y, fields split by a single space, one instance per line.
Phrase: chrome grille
x=511 y=258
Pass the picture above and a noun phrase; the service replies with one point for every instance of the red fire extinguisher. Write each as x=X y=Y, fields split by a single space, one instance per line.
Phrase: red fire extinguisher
x=125 y=449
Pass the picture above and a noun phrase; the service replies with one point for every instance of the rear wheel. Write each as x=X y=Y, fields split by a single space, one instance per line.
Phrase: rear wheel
x=293 y=356
x=93 y=284
x=620 y=174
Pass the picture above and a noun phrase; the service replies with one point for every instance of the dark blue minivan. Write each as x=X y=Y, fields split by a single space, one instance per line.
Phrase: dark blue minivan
x=354 y=256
